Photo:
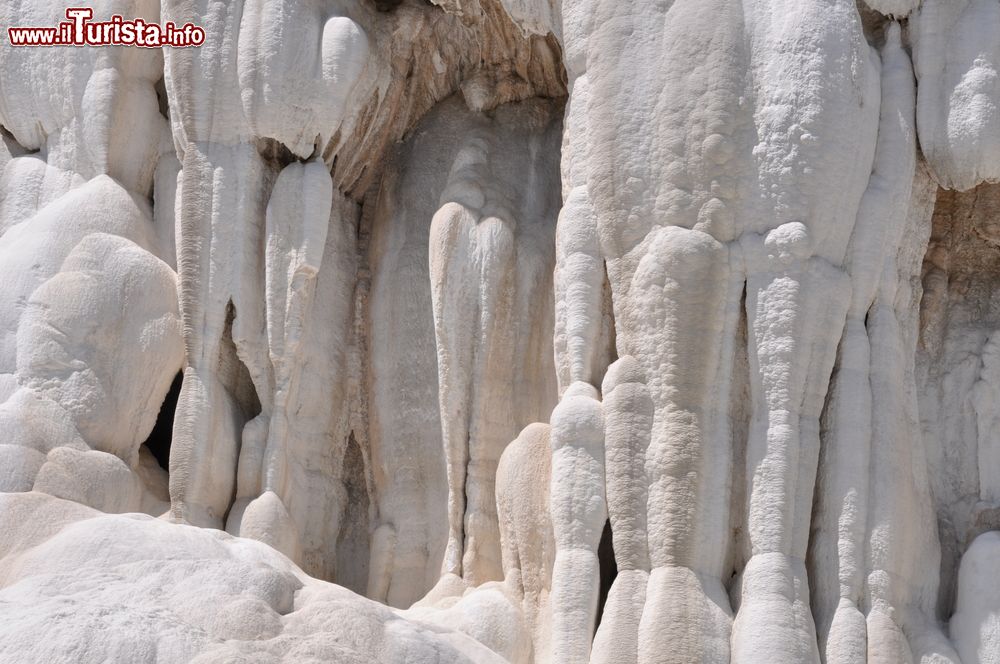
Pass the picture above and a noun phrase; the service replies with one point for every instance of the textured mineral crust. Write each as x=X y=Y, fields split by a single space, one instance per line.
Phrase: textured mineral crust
x=524 y=331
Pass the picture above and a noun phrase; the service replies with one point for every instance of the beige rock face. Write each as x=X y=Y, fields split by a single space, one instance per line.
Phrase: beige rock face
x=527 y=331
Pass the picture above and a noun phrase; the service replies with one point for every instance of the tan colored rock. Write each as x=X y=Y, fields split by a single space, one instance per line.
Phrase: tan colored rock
x=609 y=331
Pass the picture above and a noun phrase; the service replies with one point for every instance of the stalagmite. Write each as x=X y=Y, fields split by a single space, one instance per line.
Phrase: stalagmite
x=526 y=538
x=297 y=217
x=628 y=422
x=956 y=58
x=607 y=331
x=843 y=497
x=578 y=511
x=487 y=270
x=976 y=623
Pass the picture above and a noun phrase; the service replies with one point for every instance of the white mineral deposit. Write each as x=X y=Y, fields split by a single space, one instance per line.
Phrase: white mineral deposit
x=500 y=331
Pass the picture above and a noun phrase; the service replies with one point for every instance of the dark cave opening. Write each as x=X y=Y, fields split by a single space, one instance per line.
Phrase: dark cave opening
x=608 y=569
x=159 y=439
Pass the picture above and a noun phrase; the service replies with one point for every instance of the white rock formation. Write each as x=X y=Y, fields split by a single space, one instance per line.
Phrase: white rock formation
x=617 y=331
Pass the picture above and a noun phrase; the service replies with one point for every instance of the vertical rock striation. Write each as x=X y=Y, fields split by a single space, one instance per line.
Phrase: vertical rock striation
x=471 y=297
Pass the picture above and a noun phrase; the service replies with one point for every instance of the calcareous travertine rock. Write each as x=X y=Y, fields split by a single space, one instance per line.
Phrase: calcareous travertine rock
x=526 y=331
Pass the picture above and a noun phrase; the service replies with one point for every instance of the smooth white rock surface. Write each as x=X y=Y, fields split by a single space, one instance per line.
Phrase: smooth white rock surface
x=618 y=331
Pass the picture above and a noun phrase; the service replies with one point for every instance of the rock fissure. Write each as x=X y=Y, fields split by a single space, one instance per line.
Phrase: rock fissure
x=602 y=331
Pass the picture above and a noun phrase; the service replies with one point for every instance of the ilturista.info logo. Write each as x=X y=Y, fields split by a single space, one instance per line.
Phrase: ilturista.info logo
x=80 y=30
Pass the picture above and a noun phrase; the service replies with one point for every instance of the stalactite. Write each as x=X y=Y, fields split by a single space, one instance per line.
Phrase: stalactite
x=607 y=331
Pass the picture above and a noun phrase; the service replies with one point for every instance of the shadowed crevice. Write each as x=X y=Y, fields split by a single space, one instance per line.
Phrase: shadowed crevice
x=160 y=437
x=608 y=567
